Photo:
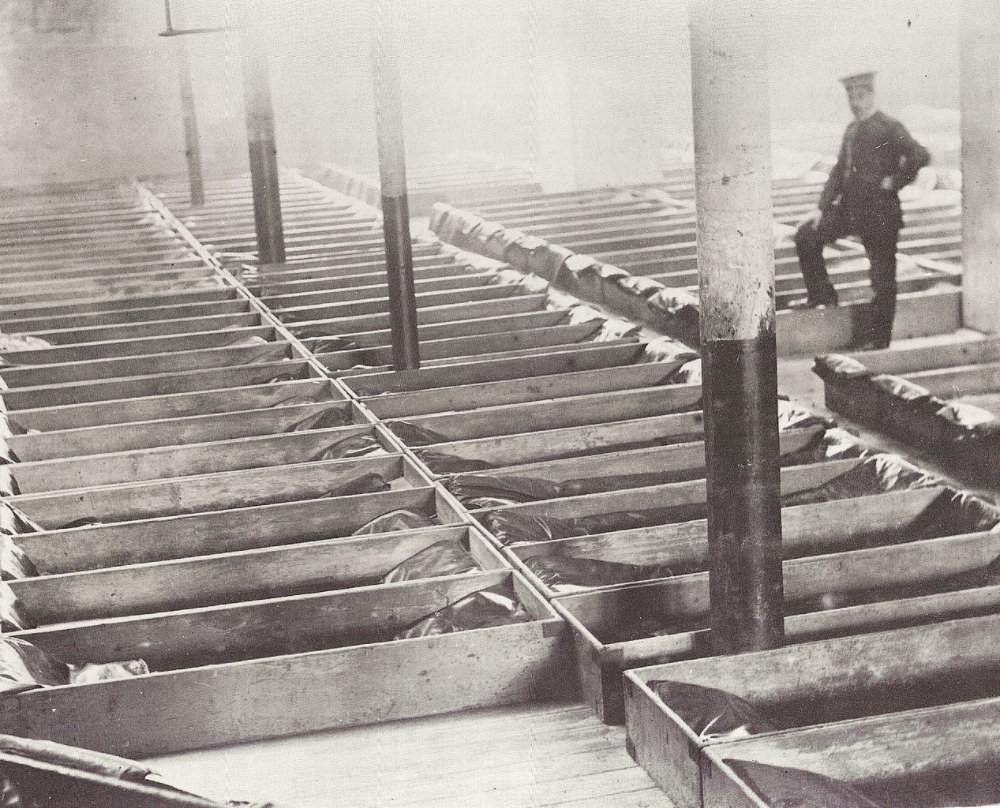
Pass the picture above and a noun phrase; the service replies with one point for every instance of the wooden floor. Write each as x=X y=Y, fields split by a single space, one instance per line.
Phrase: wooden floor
x=513 y=757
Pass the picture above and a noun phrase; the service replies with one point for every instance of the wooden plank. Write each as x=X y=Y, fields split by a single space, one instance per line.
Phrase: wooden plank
x=552 y=226
x=235 y=210
x=842 y=269
x=363 y=253
x=203 y=493
x=55 y=218
x=230 y=577
x=434 y=314
x=602 y=355
x=180 y=461
x=659 y=745
x=137 y=347
x=686 y=460
x=145 y=301
x=279 y=696
x=682 y=495
x=859 y=291
x=522 y=211
x=952 y=382
x=365 y=264
x=513 y=391
x=141 y=541
x=233 y=213
x=570 y=411
x=222 y=357
x=280 y=282
x=526 y=447
x=112 y=289
x=918 y=314
x=522 y=353
x=84 y=273
x=336 y=229
x=96 y=252
x=78 y=336
x=664 y=230
x=594 y=618
x=378 y=305
x=478 y=345
x=468 y=327
x=117 y=236
x=110 y=438
x=23 y=221
x=354 y=247
x=96 y=244
x=822 y=527
x=873 y=752
x=815 y=683
x=175 y=405
x=330 y=231
x=42 y=322
x=468 y=280
x=155 y=384
x=105 y=266
x=60 y=212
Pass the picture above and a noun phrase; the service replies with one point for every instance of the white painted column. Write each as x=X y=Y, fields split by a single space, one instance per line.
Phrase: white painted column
x=739 y=355
x=980 y=106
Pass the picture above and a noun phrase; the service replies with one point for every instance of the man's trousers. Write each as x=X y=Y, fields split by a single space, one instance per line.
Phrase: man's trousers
x=879 y=241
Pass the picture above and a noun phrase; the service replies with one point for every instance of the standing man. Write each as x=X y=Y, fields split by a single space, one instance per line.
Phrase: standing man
x=877 y=158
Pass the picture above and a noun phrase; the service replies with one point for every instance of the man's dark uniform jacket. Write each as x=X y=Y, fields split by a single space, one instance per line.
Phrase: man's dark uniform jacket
x=854 y=202
x=872 y=149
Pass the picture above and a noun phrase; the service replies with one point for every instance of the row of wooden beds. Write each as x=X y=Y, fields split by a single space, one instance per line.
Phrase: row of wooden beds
x=458 y=179
x=163 y=447
x=944 y=400
x=640 y=242
x=904 y=716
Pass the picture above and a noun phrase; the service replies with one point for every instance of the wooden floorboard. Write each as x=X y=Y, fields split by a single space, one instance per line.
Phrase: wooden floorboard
x=523 y=756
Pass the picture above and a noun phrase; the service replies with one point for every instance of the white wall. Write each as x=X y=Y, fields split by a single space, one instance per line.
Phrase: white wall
x=89 y=90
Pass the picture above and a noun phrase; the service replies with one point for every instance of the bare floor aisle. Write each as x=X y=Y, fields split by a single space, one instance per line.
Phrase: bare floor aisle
x=515 y=757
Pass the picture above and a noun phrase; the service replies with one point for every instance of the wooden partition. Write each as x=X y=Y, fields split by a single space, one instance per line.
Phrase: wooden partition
x=188 y=482
x=814 y=684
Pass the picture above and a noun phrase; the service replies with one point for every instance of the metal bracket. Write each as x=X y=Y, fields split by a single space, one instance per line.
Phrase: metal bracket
x=186 y=31
x=171 y=31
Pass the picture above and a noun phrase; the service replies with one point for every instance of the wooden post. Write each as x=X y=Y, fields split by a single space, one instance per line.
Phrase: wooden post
x=736 y=270
x=980 y=91
x=192 y=143
x=392 y=174
x=263 y=152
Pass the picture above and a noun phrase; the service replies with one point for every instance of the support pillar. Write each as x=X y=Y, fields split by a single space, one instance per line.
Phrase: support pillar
x=980 y=109
x=192 y=143
x=263 y=152
x=736 y=271
x=392 y=174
